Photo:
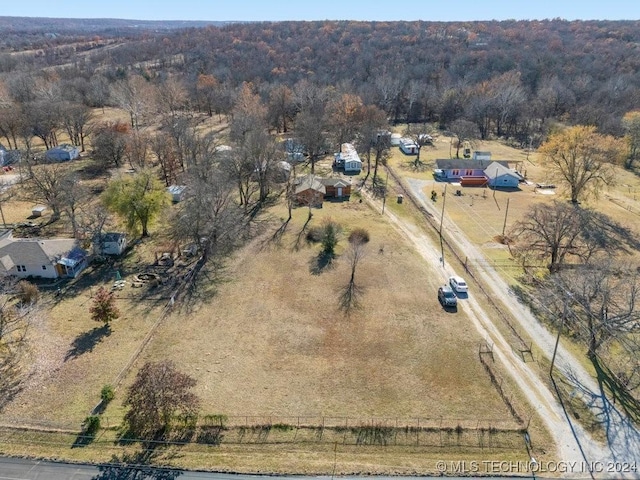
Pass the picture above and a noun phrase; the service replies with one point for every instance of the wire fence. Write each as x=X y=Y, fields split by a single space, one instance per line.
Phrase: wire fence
x=273 y=429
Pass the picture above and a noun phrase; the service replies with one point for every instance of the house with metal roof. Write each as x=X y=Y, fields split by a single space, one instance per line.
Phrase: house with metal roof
x=310 y=191
x=42 y=258
x=62 y=153
x=500 y=176
x=454 y=169
x=348 y=159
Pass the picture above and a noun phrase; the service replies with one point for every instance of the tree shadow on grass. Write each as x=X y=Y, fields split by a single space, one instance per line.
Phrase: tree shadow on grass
x=349 y=298
x=615 y=409
x=11 y=382
x=85 y=342
x=320 y=263
x=279 y=233
x=83 y=439
x=136 y=466
x=301 y=234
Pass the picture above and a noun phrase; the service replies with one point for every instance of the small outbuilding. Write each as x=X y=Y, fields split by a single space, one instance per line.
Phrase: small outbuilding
x=477 y=155
x=337 y=187
x=282 y=171
x=38 y=211
x=294 y=150
x=177 y=192
x=395 y=139
x=62 y=153
x=408 y=146
x=111 y=243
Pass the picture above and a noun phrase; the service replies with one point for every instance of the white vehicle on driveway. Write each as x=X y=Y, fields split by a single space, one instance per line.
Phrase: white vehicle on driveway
x=458 y=284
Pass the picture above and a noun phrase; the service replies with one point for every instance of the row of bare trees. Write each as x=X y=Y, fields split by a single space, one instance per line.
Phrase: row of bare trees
x=592 y=287
x=50 y=106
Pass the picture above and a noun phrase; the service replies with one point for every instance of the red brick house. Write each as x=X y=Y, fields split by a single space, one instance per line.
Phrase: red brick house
x=310 y=191
x=337 y=187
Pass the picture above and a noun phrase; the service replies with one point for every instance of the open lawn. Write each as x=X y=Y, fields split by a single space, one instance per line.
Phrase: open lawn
x=73 y=356
x=481 y=212
x=272 y=340
x=267 y=342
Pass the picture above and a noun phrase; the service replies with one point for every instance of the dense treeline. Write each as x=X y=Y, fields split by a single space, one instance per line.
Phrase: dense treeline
x=506 y=79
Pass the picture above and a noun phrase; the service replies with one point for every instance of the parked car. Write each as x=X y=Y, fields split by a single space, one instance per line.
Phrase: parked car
x=446 y=296
x=458 y=284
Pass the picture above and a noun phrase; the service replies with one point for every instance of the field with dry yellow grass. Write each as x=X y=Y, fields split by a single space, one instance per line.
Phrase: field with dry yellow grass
x=267 y=341
x=271 y=339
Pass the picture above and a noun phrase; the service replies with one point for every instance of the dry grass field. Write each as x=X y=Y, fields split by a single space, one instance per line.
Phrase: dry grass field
x=266 y=339
x=271 y=339
x=481 y=212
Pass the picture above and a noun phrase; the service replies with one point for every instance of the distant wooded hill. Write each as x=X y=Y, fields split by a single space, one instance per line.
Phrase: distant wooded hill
x=508 y=78
x=53 y=25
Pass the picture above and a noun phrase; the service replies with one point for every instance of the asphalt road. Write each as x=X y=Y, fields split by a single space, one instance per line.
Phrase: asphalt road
x=24 y=469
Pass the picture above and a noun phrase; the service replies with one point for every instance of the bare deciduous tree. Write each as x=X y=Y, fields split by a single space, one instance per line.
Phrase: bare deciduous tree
x=602 y=299
x=208 y=216
x=135 y=96
x=559 y=231
x=75 y=118
x=465 y=131
x=16 y=317
x=357 y=250
x=45 y=184
x=110 y=143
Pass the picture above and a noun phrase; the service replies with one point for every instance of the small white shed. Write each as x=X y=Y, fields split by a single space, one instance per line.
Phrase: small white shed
x=38 y=211
x=111 y=243
x=177 y=192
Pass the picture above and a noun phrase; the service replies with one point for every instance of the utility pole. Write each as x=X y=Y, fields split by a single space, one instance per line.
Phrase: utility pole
x=564 y=317
x=504 y=225
x=384 y=196
x=444 y=199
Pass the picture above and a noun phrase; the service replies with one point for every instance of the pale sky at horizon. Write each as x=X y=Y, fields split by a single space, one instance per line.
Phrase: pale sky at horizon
x=372 y=10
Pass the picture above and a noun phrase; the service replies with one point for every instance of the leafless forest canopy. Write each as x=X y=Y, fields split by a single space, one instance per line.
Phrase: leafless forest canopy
x=510 y=78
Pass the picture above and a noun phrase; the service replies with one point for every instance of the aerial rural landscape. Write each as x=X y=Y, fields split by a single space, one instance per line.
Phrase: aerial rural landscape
x=322 y=247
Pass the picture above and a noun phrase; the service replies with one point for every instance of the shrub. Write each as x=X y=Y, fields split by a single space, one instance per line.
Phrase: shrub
x=314 y=234
x=107 y=394
x=91 y=424
x=28 y=292
x=359 y=236
x=331 y=232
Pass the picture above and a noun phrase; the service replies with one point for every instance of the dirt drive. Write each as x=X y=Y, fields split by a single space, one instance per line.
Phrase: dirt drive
x=573 y=443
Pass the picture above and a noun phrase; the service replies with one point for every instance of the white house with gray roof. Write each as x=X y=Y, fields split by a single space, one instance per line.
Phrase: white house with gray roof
x=43 y=258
